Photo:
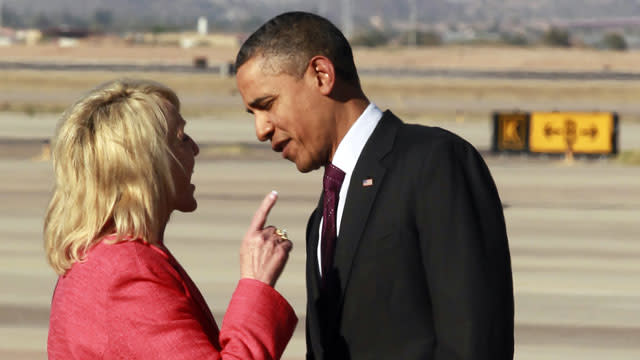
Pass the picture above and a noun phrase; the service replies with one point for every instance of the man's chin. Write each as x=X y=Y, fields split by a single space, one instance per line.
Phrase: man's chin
x=305 y=168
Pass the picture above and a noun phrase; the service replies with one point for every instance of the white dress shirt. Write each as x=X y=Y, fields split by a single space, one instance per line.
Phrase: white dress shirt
x=346 y=157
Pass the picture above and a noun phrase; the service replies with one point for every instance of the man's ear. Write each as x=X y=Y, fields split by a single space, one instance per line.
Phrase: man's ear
x=323 y=73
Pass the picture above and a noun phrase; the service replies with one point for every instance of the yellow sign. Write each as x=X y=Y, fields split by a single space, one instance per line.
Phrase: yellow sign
x=577 y=132
x=512 y=131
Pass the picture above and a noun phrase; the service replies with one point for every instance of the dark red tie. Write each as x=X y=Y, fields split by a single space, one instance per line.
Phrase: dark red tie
x=331 y=184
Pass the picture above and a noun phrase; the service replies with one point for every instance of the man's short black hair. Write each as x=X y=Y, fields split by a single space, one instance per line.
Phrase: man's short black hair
x=288 y=41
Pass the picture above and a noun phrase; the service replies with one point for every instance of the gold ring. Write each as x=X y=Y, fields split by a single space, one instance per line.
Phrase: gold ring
x=282 y=233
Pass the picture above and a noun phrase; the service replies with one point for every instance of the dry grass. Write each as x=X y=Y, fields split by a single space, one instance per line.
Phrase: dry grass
x=468 y=99
x=79 y=80
x=32 y=91
x=186 y=83
x=51 y=91
x=505 y=89
x=449 y=57
x=631 y=157
x=500 y=58
x=118 y=53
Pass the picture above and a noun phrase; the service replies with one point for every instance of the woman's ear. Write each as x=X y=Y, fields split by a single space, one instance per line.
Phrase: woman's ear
x=323 y=73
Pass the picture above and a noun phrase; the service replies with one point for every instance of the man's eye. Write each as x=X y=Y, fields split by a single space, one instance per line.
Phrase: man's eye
x=267 y=105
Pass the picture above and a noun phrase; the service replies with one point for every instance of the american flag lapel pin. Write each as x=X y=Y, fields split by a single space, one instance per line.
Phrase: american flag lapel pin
x=367 y=182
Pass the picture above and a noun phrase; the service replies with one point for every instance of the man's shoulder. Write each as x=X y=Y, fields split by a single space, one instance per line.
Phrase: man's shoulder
x=426 y=137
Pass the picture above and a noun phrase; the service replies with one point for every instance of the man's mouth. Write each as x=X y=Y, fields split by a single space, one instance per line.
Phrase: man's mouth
x=280 y=145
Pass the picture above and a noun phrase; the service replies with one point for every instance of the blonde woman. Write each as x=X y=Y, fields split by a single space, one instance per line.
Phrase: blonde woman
x=123 y=163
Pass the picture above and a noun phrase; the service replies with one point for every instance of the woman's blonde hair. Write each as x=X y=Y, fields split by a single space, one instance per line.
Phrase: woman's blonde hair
x=112 y=166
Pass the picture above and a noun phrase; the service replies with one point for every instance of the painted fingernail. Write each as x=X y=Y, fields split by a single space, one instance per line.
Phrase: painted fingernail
x=274 y=194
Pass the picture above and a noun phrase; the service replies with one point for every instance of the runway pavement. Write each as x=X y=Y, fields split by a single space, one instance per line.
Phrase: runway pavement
x=574 y=233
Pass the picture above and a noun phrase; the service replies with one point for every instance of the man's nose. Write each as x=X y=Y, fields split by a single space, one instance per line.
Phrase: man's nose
x=264 y=127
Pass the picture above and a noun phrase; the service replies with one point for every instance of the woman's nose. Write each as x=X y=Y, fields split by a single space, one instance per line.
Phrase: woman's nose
x=196 y=148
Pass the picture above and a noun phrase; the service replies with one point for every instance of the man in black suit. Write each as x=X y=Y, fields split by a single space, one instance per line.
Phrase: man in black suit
x=407 y=253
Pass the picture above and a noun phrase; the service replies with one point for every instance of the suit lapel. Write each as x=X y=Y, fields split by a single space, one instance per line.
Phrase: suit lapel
x=360 y=198
x=313 y=275
x=314 y=330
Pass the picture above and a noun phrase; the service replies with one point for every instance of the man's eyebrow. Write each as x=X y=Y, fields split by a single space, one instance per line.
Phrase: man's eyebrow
x=258 y=103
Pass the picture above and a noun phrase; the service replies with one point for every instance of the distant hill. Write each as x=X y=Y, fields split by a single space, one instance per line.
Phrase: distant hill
x=235 y=12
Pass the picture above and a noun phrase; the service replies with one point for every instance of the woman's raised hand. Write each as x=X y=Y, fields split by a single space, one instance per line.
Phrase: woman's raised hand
x=265 y=250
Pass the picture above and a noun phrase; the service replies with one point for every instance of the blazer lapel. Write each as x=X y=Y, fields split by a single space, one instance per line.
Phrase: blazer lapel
x=206 y=320
x=360 y=198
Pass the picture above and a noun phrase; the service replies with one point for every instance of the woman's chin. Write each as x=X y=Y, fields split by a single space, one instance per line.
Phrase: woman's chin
x=192 y=207
x=187 y=206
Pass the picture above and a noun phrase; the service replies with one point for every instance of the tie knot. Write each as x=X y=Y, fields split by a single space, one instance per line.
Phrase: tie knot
x=333 y=178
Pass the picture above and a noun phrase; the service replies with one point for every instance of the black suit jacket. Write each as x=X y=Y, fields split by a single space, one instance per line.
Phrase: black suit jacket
x=422 y=267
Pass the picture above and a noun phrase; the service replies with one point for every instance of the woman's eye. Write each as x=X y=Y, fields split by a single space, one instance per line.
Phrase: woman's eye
x=185 y=137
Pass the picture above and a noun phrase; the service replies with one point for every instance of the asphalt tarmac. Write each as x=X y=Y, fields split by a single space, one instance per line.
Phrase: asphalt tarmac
x=574 y=233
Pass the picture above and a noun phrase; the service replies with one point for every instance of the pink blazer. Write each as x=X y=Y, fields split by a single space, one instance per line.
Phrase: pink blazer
x=132 y=300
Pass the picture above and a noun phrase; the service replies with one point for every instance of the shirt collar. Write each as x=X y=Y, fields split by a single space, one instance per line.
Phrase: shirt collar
x=351 y=146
